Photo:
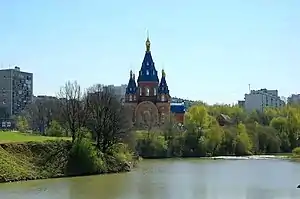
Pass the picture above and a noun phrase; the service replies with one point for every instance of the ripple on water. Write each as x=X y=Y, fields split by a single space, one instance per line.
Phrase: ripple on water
x=174 y=179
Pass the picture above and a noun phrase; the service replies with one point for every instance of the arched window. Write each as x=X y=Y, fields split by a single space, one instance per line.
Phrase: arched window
x=141 y=92
x=162 y=118
x=163 y=98
x=147 y=90
x=130 y=98
x=147 y=72
x=154 y=91
x=134 y=97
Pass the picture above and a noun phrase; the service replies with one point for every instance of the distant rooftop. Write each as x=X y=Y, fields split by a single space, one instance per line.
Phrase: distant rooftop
x=177 y=107
x=16 y=68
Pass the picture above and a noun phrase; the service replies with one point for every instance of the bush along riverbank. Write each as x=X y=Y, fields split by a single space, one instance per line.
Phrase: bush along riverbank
x=224 y=130
x=60 y=158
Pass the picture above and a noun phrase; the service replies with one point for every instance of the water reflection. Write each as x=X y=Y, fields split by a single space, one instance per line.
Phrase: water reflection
x=173 y=179
x=52 y=189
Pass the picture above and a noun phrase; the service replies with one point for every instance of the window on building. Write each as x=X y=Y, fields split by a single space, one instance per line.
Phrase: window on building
x=147 y=72
x=147 y=90
x=154 y=91
x=130 y=98
x=130 y=89
x=141 y=92
x=162 y=98
x=134 y=97
x=153 y=72
x=162 y=118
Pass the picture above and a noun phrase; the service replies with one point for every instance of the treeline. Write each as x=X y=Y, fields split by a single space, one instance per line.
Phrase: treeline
x=98 y=116
x=224 y=130
x=95 y=120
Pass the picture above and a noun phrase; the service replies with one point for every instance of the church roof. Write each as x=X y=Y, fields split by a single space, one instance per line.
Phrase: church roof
x=131 y=87
x=148 y=73
x=163 y=86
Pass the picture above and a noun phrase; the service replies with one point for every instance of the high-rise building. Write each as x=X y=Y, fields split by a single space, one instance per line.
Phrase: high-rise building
x=16 y=91
x=260 y=99
x=119 y=91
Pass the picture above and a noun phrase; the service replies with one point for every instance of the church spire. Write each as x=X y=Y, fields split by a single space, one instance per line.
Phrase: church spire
x=163 y=73
x=148 y=73
x=163 y=86
x=131 y=87
x=148 y=44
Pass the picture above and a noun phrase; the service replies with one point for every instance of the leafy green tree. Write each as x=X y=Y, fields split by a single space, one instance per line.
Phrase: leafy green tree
x=197 y=117
x=244 y=143
x=214 y=137
x=281 y=125
x=22 y=124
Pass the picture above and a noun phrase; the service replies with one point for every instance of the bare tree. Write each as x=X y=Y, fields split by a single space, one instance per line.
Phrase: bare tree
x=108 y=120
x=73 y=107
x=149 y=121
x=41 y=113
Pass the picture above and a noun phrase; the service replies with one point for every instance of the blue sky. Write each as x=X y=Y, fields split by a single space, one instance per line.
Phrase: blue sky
x=210 y=50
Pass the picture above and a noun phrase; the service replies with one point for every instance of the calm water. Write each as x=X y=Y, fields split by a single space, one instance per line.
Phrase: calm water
x=173 y=179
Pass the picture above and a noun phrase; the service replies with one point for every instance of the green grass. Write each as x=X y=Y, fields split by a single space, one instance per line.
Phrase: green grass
x=11 y=136
x=32 y=160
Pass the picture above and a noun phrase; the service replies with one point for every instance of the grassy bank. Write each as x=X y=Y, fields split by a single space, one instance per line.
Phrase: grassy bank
x=33 y=160
x=42 y=158
x=13 y=136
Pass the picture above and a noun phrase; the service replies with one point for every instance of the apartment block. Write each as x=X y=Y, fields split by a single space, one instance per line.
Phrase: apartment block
x=119 y=91
x=16 y=91
x=260 y=99
x=241 y=103
x=294 y=99
x=43 y=97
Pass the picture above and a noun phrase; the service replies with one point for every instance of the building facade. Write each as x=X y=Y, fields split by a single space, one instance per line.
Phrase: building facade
x=148 y=98
x=16 y=91
x=294 y=99
x=178 y=111
x=119 y=91
x=263 y=98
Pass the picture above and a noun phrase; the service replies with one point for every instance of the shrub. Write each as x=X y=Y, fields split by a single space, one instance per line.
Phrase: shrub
x=22 y=124
x=54 y=130
x=296 y=152
x=83 y=159
x=83 y=133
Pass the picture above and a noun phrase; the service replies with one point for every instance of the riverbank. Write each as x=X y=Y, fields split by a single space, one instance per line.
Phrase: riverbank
x=57 y=158
x=252 y=157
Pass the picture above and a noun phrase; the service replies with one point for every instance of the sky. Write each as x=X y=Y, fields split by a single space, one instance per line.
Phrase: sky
x=210 y=50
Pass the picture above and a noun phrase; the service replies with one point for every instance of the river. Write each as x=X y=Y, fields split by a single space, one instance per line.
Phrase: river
x=173 y=179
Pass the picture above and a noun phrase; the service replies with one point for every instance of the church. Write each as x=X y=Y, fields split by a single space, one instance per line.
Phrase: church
x=148 y=98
